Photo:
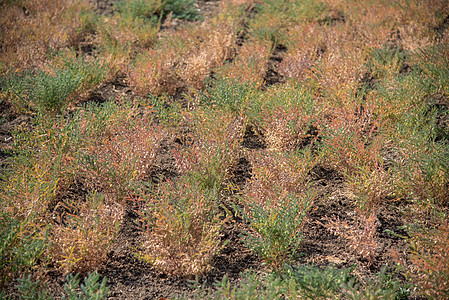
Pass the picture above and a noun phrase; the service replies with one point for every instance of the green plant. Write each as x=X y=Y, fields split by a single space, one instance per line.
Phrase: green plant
x=55 y=90
x=91 y=289
x=252 y=286
x=31 y=290
x=155 y=10
x=301 y=282
x=434 y=63
x=275 y=227
x=20 y=247
x=310 y=282
x=422 y=174
x=229 y=94
x=382 y=287
x=386 y=62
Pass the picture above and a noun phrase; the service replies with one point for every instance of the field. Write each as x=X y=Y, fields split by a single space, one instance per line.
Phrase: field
x=224 y=149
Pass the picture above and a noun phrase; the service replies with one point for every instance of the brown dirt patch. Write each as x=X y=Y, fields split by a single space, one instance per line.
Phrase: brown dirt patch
x=272 y=75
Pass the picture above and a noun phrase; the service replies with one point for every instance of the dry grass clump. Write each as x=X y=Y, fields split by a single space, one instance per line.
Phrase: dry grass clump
x=82 y=242
x=183 y=60
x=341 y=67
x=430 y=258
x=420 y=21
x=31 y=32
x=284 y=115
x=352 y=145
x=215 y=147
x=123 y=154
x=305 y=47
x=210 y=54
x=361 y=235
x=275 y=173
x=275 y=203
x=249 y=65
x=184 y=227
x=376 y=21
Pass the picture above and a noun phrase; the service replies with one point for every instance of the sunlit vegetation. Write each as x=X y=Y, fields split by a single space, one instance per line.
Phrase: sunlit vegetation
x=360 y=88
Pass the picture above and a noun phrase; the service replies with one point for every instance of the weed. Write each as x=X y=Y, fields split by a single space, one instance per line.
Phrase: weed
x=386 y=62
x=304 y=282
x=422 y=173
x=381 y=287
x=434 y=63
x=284 y=115
x=276 y=227
x=250 y=64
x=92 y=288
x=184 y=228
x=311 y=282
x=20 y=248
x=182 y=60
x=215 y=148
x=274 y=204
x=155 y=10
x=122 y=159
x=52 y=92
x=352 y=144
x=30 y=289
x=49 y=26
x=430 y=259
x=81 y=243
x=229 y=94
x=361 y=236
x=252 y=287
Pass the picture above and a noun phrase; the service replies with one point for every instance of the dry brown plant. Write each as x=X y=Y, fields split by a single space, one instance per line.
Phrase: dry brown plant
x=275 y=174
x=81 y=244
x=305 y=47
x=123 y=155
x=342 y=65
x=361 y=235
x=215 y=147
x=283 y=115
x=185 y=229
x=250 y=64
x=31 y=31
x=184 y=59
x=419 y=22
x=211 y=53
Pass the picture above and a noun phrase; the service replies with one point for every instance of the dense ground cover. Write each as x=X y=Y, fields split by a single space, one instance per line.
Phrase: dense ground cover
x=240 y=149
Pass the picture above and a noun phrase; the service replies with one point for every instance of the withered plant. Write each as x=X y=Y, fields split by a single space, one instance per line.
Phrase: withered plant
x=184 y=227
x=122 y=155
x=341 y=67
x=284 y=115
x=182 y=60
x=215 y=146
x=32 y=31
x=361 y=236
x=249 y=65
x=352 y=145
x=81 y=243
x=306 y=46
x=430 y=258
x=275 y=204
